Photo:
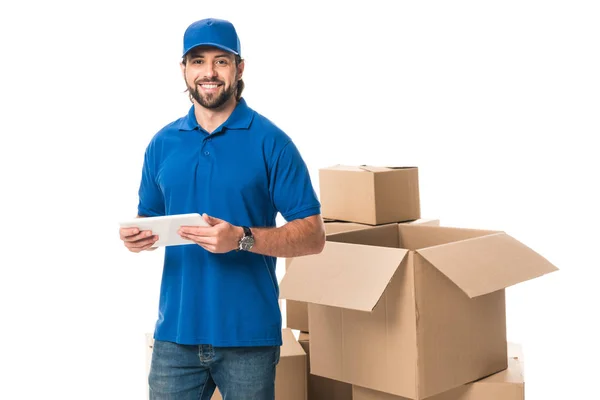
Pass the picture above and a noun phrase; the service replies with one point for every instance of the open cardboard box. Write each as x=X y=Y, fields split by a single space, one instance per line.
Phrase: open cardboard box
x=410 y=310
x=297 y=311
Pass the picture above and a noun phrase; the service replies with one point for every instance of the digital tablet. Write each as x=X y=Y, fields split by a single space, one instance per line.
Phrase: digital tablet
x=166 y=227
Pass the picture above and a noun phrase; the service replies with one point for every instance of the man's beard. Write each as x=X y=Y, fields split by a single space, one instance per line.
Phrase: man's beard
x=211 y=100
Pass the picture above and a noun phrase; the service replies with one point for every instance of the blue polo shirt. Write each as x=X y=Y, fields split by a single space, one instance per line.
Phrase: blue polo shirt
x=245 y=172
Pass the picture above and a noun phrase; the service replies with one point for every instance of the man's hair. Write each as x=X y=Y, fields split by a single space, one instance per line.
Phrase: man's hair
x=240 y=83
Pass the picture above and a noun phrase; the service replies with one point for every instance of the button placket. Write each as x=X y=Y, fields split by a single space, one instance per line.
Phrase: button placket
x=206 y=147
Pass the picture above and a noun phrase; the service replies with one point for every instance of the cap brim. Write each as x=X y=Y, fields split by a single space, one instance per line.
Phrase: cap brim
x=218 y=46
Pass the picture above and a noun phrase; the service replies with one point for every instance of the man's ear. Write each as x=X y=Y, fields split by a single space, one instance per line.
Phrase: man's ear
x=182 y=66
x=240 y=69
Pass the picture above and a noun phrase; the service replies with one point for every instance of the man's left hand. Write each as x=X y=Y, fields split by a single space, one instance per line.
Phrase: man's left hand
x=219 y=237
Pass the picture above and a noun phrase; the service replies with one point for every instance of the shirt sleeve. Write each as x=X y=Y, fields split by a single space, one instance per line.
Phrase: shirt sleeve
x=291 y=188
x=151 y=199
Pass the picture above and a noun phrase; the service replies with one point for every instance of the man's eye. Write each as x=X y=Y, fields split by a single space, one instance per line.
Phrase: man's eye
x=197 y=61
x=222 y=62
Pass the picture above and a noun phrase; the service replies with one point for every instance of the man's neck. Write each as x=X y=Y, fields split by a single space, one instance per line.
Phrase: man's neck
x=210 y=119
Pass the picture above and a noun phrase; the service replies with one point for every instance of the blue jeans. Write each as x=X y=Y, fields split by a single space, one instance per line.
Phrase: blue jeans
x=184 y=372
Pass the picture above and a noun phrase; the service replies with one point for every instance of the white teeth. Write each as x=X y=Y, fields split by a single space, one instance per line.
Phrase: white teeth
x=209 y=86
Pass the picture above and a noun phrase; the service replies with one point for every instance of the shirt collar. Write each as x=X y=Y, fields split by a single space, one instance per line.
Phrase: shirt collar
x=240 y=118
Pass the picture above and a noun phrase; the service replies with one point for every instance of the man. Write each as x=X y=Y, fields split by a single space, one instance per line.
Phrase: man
x=219 y=322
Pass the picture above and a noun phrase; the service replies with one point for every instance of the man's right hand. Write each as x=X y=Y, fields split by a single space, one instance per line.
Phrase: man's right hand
x=136 y=240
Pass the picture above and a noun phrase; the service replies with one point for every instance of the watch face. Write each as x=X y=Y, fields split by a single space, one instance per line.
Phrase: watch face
x=246 y=243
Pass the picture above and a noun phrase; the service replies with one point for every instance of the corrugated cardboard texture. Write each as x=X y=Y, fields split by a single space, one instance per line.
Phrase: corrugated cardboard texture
x=297 y=311
x=320 y=388
x=455 y=339
x=397 y=195
x=369 y=195
x=291 y=374
x=296 y=314
x=418 y=236
x=341 y=226
x=290 y=379
x=459 y=339
x=346 y=275
x=486 y=264
x=508 y=384
x=377 y=348
x=347 y=195
x=380 y=236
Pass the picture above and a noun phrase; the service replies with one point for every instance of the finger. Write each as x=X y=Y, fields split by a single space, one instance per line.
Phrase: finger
x=211 y=220
x=195 y=230
x=201 y=240
x=139 y=250
x=125 y=232
x=134 y=238
x=141 y=243
x=149 y=247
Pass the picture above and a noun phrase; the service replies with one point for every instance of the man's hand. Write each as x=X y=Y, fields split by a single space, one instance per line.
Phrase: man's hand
x=136 y=240
x=219 y=237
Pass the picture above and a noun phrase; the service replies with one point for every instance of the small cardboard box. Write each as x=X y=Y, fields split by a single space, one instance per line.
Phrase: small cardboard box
x=410 y=310
x=370 y=195
x=320 y=388
x=508 y=384
x=291 y=374
x=297 y=311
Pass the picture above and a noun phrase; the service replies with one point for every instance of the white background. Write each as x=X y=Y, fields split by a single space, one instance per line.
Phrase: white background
x=496 y=103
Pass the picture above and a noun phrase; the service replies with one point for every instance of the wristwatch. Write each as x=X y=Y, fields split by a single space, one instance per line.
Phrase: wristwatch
x=247 y=241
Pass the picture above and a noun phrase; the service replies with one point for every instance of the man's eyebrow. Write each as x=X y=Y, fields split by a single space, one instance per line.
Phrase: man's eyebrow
x=201 y=55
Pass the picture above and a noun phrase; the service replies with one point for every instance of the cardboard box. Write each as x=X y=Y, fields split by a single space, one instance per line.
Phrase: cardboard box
x=508 y=384
x=320 y=388
x=370 y=195
x=410 y=310
x=297 y=311
x=291 y=374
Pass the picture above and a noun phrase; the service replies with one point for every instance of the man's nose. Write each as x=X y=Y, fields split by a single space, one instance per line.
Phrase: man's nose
x=210 y=71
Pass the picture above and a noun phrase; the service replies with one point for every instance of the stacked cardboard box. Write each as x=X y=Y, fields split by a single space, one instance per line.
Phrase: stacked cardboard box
x=402 y=311
x=370 y=195
x=508 y=384
x=406 y=205
x=320 y=388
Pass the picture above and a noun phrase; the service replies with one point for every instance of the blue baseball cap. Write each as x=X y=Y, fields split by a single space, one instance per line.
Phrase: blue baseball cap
x=211 y=32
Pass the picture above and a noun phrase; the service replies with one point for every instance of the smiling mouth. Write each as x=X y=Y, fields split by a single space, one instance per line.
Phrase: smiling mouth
x=209 y=85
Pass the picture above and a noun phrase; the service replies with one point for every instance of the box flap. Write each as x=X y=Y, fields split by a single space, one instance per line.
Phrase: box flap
x=368 y=168
x=343 y=226
x=303 y=337
x=344 y=275
x=290 y=347
x=371 y=168
x=485 y=264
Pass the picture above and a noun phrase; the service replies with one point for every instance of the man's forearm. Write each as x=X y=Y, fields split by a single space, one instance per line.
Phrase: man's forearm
x=296 y=238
